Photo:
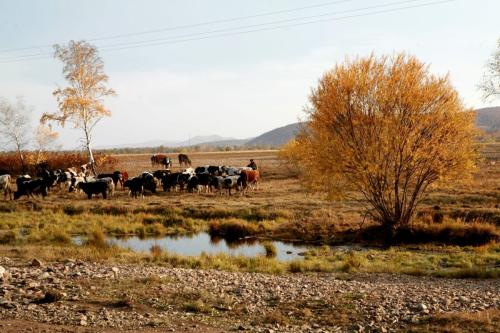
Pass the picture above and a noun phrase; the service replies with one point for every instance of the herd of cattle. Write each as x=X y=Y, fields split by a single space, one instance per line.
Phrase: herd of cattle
x=208 y=179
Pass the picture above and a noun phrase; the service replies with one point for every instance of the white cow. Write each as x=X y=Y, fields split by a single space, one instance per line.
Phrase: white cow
x=6 y=186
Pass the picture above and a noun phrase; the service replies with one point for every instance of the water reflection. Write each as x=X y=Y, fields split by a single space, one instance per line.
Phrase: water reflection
x=195 y=245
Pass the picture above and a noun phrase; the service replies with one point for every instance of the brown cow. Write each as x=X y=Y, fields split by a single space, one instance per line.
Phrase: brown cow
x=161 y=159
x=250 y=177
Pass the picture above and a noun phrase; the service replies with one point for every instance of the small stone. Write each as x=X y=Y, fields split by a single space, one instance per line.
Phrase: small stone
x=2 y=271
x=422 y=307
x=359 y=328
x=464 y=299
x=83 y=320
x=36 y=263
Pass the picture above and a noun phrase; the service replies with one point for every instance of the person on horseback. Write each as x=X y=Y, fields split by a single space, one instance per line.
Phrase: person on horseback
x=252 y=165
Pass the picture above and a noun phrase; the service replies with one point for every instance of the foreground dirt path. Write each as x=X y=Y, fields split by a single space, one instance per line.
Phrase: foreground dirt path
x=75 y=296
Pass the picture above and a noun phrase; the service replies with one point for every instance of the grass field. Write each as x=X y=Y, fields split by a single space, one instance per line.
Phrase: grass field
x=468 y=214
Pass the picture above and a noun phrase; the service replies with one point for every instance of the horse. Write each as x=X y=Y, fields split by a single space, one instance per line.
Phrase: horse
x=184 y=159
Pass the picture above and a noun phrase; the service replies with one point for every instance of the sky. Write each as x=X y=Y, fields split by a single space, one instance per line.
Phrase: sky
x=183 y=68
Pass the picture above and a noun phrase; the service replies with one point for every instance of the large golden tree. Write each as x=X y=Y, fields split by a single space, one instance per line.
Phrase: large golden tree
x=81 y=103
x=385 y=128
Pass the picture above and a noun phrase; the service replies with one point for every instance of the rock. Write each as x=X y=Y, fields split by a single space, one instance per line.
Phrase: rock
x=359 y=328
x=36 y=263
x=464 y=299
x=2 y=272
x=83 y=320
x=422 y=308
x=43 y=276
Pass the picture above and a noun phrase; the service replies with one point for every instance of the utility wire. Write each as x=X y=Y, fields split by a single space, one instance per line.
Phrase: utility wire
x=227 y=29
x=175 y=41
x=186 y=26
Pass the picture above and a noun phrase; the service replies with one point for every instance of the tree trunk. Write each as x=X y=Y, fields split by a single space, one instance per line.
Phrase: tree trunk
x=21 y=158
x=91 y=156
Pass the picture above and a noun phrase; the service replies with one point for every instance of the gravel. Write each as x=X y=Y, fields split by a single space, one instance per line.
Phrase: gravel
x=54 y=293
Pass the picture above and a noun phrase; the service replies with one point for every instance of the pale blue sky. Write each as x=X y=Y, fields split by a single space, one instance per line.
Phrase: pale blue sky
x=239 y=85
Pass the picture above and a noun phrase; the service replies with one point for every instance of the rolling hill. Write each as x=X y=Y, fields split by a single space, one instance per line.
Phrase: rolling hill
x=488 y=119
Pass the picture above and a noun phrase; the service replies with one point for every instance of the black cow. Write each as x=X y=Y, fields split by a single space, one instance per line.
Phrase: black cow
x=172 y=180
x=201 y=180
x=103 y=186
x=201 y=169
x=233 y=182
x=64 y=177
x=136 y=186
x=149 y=181
x=49 y=177
x=27 y=186
x=115 y=176
x=159 y=174
x=215 y=170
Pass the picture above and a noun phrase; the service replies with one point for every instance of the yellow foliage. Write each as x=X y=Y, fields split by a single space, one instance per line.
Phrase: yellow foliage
x=81 y=103
x=387 y=128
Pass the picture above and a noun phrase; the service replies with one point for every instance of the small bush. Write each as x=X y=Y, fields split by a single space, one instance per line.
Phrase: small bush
x=110 y=210
x=437 y=217
x=296 y=267
x=60 y=236
x=7 y=208
x=232 y=229
x=73 y=210
x=353 y=262
x=195 y=306
x=270 y=249
x=8 y=237
x=449 y=232
x=156 y=251
x=51 y=296
x=97 y=239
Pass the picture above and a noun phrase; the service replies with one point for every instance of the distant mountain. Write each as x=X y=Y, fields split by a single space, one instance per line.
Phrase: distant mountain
x=276 y=137
x=197 y=140
x=488 y=119
x=224 y=143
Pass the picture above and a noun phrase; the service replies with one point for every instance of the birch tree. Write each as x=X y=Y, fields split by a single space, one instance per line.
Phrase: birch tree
x=43 y=140
x=490 y=84
x=15 y=127
x=82 y=102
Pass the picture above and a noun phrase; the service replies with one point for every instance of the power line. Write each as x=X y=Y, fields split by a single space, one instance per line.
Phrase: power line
x=281 y=26
x=176 y=41
x=194 y=25
x=223 y=30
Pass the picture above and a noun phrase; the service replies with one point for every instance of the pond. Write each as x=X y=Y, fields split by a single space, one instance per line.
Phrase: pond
x=195 y=245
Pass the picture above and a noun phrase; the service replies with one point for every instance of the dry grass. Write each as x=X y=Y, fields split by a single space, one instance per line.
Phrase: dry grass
x=487 y=321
